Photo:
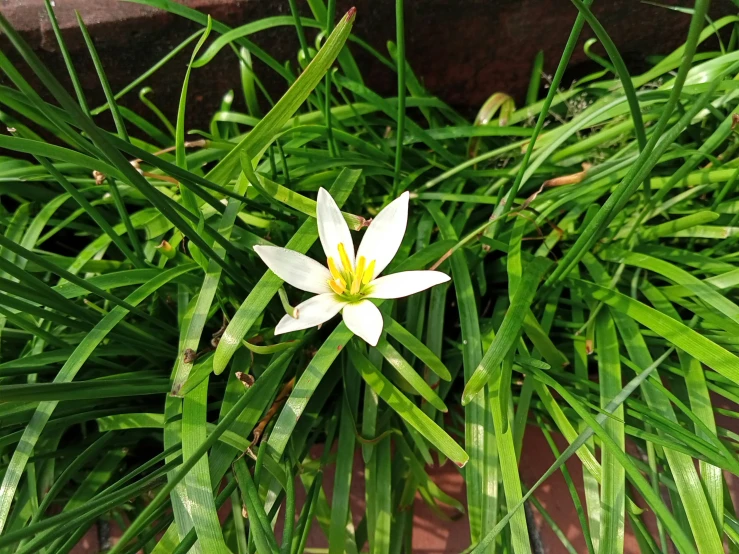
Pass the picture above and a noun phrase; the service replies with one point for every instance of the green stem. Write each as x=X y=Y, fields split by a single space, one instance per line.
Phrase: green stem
x=504 y=205
x=299 y=29
x=400 y=132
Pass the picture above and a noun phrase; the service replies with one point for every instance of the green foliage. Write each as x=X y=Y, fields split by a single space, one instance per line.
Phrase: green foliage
x=590 y=236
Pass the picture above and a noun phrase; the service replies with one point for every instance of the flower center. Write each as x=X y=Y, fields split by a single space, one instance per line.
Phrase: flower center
x=351 y=283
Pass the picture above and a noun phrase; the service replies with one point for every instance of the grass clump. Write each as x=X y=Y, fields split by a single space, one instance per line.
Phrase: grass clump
x=591 y=240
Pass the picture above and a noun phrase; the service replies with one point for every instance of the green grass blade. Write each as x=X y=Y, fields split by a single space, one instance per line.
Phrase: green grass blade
x=613 y=485
x=413 y=379
x=67 y=57
x=67 y=373
x=406 y=409
x=677 y=333
x=595 y=426
x=340 y=511
x=265 y=131
x=508 y=460
x=418 y=348
x=509 y=330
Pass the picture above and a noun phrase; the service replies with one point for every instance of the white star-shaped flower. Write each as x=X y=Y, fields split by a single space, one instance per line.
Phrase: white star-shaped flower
x=350 y=280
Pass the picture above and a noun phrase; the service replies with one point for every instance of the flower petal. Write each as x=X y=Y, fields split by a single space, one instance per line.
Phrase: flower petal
x=384 y=235
x=405 y=283
x=332 y=228
x=364 y=320
x=312 y=312
x=295 y=268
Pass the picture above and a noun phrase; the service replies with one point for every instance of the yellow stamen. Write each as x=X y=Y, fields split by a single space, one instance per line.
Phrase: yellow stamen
x=369 y=273
x=345 y=259
x=337 y=285
x=335 y=273
x=357 y=282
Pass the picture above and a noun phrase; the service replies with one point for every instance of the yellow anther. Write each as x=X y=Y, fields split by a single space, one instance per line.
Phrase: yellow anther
x=345 y=259
x=337 y=285
x=357 y=282
x=369 y=273
x=335 y=273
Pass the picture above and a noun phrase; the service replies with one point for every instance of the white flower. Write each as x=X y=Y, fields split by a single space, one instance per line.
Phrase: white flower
x=350 y=280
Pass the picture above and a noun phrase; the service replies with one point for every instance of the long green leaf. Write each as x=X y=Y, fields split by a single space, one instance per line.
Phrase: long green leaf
x=69 y=370
x=406 y=409
x=265 y=131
